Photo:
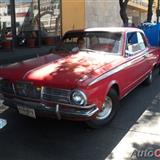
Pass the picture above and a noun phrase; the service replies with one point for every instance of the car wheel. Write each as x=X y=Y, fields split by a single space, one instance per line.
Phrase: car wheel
x=149 y=79
x=109 y=109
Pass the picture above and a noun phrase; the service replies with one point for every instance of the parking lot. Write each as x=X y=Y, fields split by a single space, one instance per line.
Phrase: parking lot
x=47 y=139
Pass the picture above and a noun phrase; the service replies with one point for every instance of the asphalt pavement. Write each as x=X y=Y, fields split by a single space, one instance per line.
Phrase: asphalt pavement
x=133 y=132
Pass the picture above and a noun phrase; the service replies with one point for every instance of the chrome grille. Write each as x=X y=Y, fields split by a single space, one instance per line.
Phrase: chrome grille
x=6 y=87
x=56 y=95
x=25 y=89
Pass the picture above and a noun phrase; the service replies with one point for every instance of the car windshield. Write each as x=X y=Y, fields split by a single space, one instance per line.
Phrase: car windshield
x=96 y=41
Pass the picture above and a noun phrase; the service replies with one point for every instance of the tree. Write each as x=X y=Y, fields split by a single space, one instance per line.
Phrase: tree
x=123 y=11
x=150 y=11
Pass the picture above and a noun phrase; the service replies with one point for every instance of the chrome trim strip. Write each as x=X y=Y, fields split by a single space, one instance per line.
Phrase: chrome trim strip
x=107 y=74
x=115 y=70
x=42 y=91
x=85 y=114
x=78 y=112
x=54 y=103
x=75 y=106
x=14 y=90
x=57 y=112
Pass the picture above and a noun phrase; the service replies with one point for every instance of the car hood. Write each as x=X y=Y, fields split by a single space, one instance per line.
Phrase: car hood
x=62 y=71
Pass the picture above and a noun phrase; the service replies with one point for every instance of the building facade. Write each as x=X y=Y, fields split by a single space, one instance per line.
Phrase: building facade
x=21 y=20
x=137 y=11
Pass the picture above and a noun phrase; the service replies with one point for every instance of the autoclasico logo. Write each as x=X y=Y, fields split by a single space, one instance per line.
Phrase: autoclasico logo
x=146 y=153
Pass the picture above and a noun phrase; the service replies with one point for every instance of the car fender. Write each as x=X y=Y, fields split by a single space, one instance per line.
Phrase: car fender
x=112 y=84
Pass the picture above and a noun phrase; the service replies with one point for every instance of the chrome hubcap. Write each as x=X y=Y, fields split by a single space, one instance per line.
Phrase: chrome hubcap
x=106 y=109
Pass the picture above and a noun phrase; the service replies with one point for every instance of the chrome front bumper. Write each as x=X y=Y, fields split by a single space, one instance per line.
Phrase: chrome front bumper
x=58 y=110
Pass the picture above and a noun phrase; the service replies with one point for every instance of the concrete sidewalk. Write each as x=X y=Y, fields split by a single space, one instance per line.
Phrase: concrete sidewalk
x=142 y=141
x=20 y=54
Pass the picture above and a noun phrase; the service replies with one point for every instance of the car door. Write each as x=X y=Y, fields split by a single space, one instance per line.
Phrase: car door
x=137 y=59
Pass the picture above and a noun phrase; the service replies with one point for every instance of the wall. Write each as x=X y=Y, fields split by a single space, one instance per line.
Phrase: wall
x=102 y=13
x=73 y=14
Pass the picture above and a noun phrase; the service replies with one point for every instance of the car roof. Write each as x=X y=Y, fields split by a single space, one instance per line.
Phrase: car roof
x=108 y=29
x=113 y=29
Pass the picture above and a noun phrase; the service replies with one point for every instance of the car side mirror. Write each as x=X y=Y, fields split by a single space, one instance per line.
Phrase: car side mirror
x=128 y=53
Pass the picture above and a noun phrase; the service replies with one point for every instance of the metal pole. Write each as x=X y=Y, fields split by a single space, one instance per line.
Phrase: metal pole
x=61 y=17
x=13 y=24
x=158 y=29
x=158 y=12
x=39 y=24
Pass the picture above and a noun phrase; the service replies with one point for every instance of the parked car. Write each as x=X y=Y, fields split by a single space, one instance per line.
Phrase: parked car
x=85 y=84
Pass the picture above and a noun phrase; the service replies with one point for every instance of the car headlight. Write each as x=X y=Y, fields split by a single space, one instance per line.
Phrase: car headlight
x=78 y=98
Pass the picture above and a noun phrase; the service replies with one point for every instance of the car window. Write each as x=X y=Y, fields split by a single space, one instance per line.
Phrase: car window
x=135 y=43
x=141 y=41
x=99 y=41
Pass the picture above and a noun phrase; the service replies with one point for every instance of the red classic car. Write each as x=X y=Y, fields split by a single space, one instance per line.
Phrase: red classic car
x=82 y=81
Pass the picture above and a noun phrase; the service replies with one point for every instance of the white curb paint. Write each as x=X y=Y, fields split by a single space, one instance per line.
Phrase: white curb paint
x=3 y=123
